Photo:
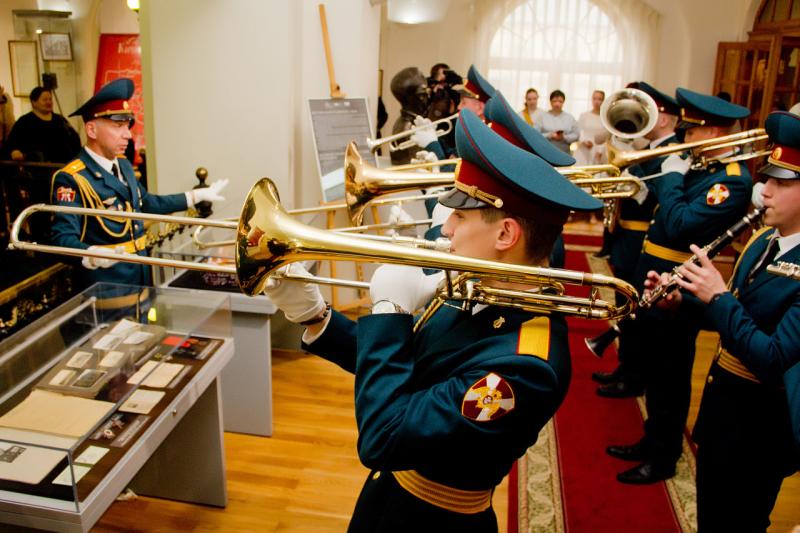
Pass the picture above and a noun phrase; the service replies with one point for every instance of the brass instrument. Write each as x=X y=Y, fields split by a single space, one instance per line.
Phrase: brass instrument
x=394 y=146
x=785 y=269
x=364 y=182
x=268 y=238
x=628 y=114
x=597 y=345
x=624 y=159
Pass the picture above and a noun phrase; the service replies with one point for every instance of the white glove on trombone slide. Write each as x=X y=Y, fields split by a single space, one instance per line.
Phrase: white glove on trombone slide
x=407 y=286
x=93 y=263
x=398 y=215
x=675 y=163
x=425 y=133
x=298 y=300
x=424 y=156
x=207 y=194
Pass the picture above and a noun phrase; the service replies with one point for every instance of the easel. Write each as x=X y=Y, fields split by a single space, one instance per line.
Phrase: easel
x=336 y=92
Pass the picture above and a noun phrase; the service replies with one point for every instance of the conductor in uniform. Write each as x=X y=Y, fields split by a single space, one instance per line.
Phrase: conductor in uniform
x=695 y=206
x=744 y=441
x=102 y=178
x=444 y=412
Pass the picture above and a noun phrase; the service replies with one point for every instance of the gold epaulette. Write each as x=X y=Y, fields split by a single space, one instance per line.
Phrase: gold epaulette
x=534 y=338
x=733 y=169
x=73 y=167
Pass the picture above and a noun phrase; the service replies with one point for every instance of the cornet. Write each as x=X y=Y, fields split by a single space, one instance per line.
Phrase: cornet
x=268 y=238
x=394 y=146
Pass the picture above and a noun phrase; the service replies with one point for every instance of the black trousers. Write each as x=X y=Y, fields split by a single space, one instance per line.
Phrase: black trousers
x=385 y=506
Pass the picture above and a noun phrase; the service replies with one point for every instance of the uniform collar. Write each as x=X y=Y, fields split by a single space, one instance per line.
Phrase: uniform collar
x=661 y=140
x=786 y=243
x=104 y=163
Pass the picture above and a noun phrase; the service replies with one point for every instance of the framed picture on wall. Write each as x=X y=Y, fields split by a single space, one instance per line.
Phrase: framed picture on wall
x=55 y=46
x=24 y=66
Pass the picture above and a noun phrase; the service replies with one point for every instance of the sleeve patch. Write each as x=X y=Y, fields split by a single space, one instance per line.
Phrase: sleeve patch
x=534 y=338
x=65 y=194
x=717 y=194
x=488 y=399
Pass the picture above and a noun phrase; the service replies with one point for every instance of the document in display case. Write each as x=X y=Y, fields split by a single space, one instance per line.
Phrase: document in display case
x=102 y=393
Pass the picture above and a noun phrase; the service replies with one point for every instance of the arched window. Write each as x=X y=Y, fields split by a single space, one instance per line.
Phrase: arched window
x=572 y=45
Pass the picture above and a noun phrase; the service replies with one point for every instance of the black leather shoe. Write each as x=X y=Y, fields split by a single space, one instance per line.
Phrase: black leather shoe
x=629 y=452
x=605 y=378
x=646 y=473
x=602 y=254
x=620 y=389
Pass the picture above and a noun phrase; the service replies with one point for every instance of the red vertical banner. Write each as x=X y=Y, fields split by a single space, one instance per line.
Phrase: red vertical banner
x=120 y=56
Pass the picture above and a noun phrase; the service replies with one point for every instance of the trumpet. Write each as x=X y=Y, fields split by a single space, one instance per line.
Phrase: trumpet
x=597 y=345
x=268 y=238
x=395 y=146
x=785 y=269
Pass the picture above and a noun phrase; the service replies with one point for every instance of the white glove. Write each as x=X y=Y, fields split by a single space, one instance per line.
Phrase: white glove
x=440 y=215
x=757 y=198
x=424 y=156
x=641 y=195
x=674 y=163
x=298 y=300
x=93 y=263
x=210 y=193
x=403 y=285
x=425 y=134
x=398 y=215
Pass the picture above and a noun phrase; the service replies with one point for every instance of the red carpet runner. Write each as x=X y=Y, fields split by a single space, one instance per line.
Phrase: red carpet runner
x=591 y=498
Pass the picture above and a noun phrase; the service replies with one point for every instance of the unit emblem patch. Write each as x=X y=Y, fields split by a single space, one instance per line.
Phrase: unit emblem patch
x=65 y=194
x=717 y=194
x=488 y=399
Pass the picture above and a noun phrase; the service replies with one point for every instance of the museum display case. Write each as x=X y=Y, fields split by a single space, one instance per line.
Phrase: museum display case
x=97 y=391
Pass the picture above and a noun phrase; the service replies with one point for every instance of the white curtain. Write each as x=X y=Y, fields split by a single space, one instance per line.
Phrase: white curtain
x=573 y=45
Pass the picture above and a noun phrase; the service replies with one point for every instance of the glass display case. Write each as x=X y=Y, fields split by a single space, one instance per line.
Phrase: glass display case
x=247 y=381
x=98 y=389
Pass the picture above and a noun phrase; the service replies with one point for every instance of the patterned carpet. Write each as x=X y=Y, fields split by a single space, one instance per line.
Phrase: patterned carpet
x=538 y=499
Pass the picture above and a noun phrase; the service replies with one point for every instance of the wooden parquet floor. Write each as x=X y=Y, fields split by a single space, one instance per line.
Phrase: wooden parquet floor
x=307 y=476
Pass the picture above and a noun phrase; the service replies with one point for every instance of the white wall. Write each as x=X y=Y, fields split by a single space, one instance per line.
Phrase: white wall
x=226 y=82
x=21 y=105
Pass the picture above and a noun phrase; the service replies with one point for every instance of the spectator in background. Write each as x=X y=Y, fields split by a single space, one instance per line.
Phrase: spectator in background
x=42 y=135
x=558 y=126
x=593 y=136
x=531 y=112
x=6 y=118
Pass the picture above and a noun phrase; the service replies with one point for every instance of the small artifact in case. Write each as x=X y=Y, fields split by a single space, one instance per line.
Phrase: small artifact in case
x=114 y=349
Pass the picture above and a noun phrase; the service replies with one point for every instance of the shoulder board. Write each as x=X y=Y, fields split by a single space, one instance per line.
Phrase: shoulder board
x=733 y=169
x=73 y=167
x=534 y=338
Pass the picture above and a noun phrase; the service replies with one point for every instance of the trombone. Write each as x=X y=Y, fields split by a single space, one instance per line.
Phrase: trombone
x=268 y=238
x=621 y=158
x=395 y=146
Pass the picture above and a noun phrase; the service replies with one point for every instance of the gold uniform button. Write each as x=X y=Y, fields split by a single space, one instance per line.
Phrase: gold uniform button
x=376 y=475
x=710 y=379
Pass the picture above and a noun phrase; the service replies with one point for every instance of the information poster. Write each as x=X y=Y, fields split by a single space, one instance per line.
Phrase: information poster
x=337 y=122
x=120 y=56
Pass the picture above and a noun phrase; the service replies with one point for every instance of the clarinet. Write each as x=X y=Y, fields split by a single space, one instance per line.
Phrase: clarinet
x=597 y=345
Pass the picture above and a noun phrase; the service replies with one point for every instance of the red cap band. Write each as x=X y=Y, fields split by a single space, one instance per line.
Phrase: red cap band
x=110 y=107
x=472 y=175
x=786 y=157
x=482 y=96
